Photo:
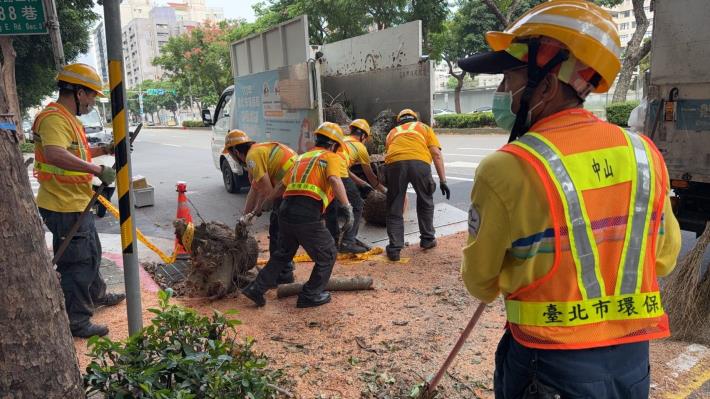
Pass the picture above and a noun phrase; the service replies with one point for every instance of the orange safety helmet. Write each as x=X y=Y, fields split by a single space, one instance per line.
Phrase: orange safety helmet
x=580 y=26
x=362 y=125
x=331 y=131
x=405 y=112
x=235 y=137
x=81 y=74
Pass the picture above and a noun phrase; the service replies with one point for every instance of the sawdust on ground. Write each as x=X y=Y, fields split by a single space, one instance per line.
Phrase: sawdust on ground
x=380 y=343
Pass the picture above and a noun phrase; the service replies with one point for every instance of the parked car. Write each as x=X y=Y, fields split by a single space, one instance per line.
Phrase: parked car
x=96 y=133
x=443 y=112
x=27 y=130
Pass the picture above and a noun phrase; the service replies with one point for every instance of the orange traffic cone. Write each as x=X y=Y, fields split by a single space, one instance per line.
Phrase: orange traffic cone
x=183 y=212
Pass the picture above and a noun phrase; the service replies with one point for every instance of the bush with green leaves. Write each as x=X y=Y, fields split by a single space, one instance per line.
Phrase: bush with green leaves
x=463 y=121
x=618 y=113
x=180 y=355
x=27 y=147
x=192 y=123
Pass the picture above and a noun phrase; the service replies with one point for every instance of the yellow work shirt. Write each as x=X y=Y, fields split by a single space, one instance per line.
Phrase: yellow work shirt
x=409 y=147
x=258 y=164
x=357 y=152
x=59 y=197
x=511 y=239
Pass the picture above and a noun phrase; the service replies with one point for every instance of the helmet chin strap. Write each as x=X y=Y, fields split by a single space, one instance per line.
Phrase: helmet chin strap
x=535 y=75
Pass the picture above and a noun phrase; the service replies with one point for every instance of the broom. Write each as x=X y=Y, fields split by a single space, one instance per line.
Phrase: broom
x=686 y=295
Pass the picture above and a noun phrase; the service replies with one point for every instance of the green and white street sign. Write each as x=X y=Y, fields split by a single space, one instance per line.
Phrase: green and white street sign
x=22 y=17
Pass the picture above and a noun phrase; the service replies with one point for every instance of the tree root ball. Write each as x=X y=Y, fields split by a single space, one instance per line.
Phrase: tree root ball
x=220 y=261
x=375 y=209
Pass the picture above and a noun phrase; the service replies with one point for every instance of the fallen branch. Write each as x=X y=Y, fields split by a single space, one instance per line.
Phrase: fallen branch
x=335 y=284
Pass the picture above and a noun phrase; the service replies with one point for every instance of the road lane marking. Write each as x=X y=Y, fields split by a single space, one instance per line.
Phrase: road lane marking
x=464 y=155
x=455 y=178
x=461 y=164
x=171 y=145
x=478 y=148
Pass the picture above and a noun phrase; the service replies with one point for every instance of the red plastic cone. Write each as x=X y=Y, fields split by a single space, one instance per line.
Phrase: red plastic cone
x=183 y=212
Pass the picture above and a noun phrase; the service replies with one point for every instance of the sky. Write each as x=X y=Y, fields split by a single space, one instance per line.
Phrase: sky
x=233 y=9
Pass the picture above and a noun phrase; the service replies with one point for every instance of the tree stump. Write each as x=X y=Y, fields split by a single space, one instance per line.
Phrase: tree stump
x=221 y=258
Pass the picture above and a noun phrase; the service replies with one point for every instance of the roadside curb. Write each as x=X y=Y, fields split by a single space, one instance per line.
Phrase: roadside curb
x=470 y=131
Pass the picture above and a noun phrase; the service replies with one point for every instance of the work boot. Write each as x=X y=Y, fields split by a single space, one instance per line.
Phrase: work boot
x=89 y=330
x=392 y=254
x=253 y=292
x=427 y=244
x=286 y=278
x=109 y=300
x=351 y=248
x=363 y=244
x=313 y=301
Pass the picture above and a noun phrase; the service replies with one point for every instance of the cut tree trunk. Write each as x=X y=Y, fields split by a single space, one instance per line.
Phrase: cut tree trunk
x=357 y=283
x=220 y=259
x=635 y=51
x=37 y=350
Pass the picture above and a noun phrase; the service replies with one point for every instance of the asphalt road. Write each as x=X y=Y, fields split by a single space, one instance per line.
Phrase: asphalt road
x=166 y=156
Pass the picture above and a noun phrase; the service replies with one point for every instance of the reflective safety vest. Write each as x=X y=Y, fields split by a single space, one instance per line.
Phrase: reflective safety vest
x=416 y=130
x=606 y=189
x=352 y=150
x=309 y=179
x=43 y=170
x=281 y=158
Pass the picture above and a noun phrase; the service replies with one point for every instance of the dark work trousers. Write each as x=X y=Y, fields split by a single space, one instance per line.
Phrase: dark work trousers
x=300 y=224
x=399 y=175
x=106 y=193
x=274 y=234
x=356 y=201
x=81 y=281
x=610 y=372
x=331 y=220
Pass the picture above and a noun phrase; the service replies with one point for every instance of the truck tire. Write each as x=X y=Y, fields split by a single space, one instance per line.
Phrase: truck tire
x=231 y=183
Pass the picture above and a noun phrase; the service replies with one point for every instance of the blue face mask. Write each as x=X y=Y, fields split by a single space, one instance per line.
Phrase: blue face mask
x=503 y=109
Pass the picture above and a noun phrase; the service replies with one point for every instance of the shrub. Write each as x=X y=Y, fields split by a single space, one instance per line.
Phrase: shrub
x=460 y=121
x=618 y=113
x=181 y=354
x=192 y=123
x=27 y=147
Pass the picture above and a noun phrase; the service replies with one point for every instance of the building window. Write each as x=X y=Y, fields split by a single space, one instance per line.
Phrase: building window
x=624 y=26
x=633 y=24
x=626 y=14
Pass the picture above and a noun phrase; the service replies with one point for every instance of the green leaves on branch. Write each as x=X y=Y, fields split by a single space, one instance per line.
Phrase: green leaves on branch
x=180 y=355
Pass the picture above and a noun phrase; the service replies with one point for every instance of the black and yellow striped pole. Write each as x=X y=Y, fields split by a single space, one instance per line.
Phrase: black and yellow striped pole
x=114 y=50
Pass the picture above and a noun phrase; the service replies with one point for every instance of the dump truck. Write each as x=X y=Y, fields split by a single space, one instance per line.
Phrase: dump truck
x=678 y=94
x=283 y=84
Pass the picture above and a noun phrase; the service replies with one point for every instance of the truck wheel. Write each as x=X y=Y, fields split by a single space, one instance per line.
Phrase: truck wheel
x=229 y=179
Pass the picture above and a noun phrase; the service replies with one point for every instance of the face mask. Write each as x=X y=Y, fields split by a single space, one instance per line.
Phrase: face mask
x=503 y=109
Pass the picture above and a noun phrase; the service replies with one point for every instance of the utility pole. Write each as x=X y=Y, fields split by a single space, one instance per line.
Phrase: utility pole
x=54 y=34
x=119 y=106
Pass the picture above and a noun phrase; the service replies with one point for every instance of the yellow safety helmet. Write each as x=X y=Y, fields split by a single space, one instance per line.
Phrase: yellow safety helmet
x=582 y=27
x=405 y=112
x=331 y=131
x=81 y=74
x=361 y=124
x=235 y=137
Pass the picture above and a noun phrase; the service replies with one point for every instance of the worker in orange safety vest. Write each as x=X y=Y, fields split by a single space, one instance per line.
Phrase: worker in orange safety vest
x=571 y=221
x=64 y=171
x=311 y=184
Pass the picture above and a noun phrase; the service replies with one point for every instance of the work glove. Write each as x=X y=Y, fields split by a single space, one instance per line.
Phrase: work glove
x=349 y=217
x=247 y=219
x=381 y=188
x=367 y=189
x=107 y=175
x=108 y=149
x=445 y=189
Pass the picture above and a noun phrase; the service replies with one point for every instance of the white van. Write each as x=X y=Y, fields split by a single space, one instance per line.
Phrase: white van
x=233 y=175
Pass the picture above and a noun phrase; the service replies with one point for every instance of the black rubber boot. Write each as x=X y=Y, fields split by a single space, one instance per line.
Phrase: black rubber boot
x=351 y=248
x=313 y=301
x=90 y=330
x=429 y=244
x=253 y=292
x=286 y=278
x=392 y=254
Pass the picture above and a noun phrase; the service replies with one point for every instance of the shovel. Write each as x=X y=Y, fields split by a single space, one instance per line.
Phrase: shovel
x=429 y=391
x=77 y=224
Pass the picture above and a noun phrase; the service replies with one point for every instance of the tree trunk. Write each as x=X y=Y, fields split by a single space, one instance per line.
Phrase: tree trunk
x=8 y=78
x=634 y=53
x=459 y=84
x=37 y=350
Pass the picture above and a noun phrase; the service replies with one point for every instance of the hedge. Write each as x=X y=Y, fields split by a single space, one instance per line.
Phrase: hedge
x=618 y=113
x=192 y=123
x=458 y=121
